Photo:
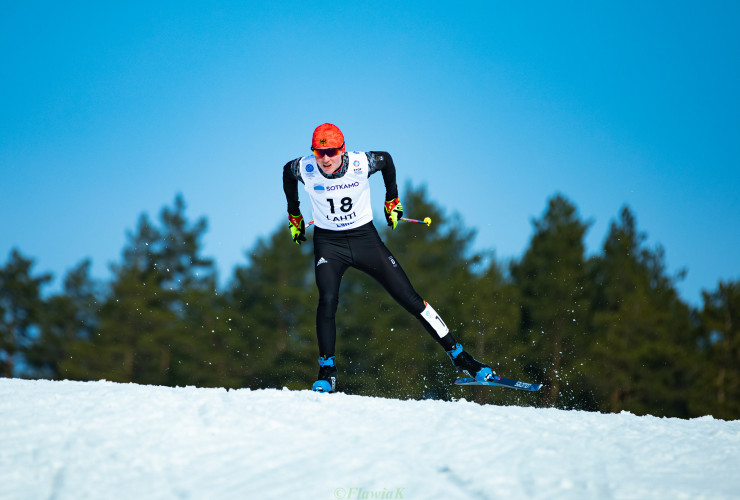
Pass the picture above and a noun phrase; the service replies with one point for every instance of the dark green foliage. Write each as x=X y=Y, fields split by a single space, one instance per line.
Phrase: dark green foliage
x=719 y=337
x=554 y=328
x=158 y=323
x=66 y=318
x=606 y=333
x=20 y=309
x=271 y=307
x=642 y=355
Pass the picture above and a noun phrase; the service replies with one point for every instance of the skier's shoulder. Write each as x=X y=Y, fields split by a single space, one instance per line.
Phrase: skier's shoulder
x=378 y=154
x=292 y=163
x=293 y=168
x=378 y=160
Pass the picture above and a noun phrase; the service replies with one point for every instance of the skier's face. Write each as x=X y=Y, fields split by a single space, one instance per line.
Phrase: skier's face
x=329 y=164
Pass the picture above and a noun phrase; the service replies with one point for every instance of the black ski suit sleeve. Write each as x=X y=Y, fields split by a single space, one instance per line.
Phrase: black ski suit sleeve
x=291 y=176
x=382 y=161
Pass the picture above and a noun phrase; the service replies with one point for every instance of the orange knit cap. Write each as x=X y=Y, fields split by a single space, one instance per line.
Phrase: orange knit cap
x=327 y=136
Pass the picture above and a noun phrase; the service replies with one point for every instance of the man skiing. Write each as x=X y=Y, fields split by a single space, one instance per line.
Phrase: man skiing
x=337 y=183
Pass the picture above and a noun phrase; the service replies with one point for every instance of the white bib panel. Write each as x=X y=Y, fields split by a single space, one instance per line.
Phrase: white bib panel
x=339 y=204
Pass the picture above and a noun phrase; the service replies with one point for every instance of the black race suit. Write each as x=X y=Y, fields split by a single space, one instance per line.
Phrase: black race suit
x=361 y=248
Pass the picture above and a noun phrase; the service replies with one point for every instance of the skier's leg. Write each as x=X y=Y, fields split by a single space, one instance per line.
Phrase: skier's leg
x=328 y=278
x=331 y=260
x=378 y=262
x=374 y=258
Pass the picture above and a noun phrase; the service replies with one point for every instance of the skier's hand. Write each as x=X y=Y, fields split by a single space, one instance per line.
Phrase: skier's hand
x=297 y=228
x=393 y=211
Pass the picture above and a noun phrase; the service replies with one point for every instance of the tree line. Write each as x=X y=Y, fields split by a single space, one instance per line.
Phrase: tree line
x=602 y=333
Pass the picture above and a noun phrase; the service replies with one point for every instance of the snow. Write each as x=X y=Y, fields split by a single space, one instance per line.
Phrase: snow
x=77 y=440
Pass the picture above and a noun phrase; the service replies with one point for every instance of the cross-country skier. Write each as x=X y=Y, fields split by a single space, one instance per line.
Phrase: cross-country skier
x=338 y=185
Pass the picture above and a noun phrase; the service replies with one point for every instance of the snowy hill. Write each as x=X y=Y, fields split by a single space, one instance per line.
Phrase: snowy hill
x=74 y=440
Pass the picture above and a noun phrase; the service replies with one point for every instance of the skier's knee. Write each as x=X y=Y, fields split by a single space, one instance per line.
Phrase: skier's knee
x=430 y=316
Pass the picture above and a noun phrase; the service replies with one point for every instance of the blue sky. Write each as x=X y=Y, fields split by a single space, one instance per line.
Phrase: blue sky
x=107 y=111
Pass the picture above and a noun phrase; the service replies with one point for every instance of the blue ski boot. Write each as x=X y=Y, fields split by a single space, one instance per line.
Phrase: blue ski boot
x=464 y=362
x=327 y=379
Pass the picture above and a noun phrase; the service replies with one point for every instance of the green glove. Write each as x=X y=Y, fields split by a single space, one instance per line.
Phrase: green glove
x=393 y=212
x=297 y=228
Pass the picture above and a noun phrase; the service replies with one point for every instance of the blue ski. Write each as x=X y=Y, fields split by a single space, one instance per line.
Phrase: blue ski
x=500 y=382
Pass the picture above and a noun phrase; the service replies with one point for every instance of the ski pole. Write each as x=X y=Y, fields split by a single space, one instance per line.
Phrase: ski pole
x=427 y=221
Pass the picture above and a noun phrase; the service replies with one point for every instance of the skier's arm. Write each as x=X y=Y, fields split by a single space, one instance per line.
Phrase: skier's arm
x=382 y=161
x=291 y=176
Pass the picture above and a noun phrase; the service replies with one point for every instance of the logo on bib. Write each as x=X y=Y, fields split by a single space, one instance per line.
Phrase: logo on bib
x=342 y=186
x=309 y=168
x=319 y=187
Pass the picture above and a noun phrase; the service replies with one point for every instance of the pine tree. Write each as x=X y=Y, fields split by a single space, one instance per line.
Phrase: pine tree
x=20 y=310
x=67 y=318
x=720 y=335
x=146 y=329
x=552 y=282
x=642 y=350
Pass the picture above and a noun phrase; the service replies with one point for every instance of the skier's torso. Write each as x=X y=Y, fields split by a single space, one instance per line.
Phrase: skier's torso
x=339 y=203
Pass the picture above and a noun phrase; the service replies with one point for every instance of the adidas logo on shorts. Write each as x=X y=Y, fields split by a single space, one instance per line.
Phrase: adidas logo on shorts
x=322 y=261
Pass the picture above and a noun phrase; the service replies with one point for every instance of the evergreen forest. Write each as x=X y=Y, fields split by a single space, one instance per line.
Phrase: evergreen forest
x=606 y=332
